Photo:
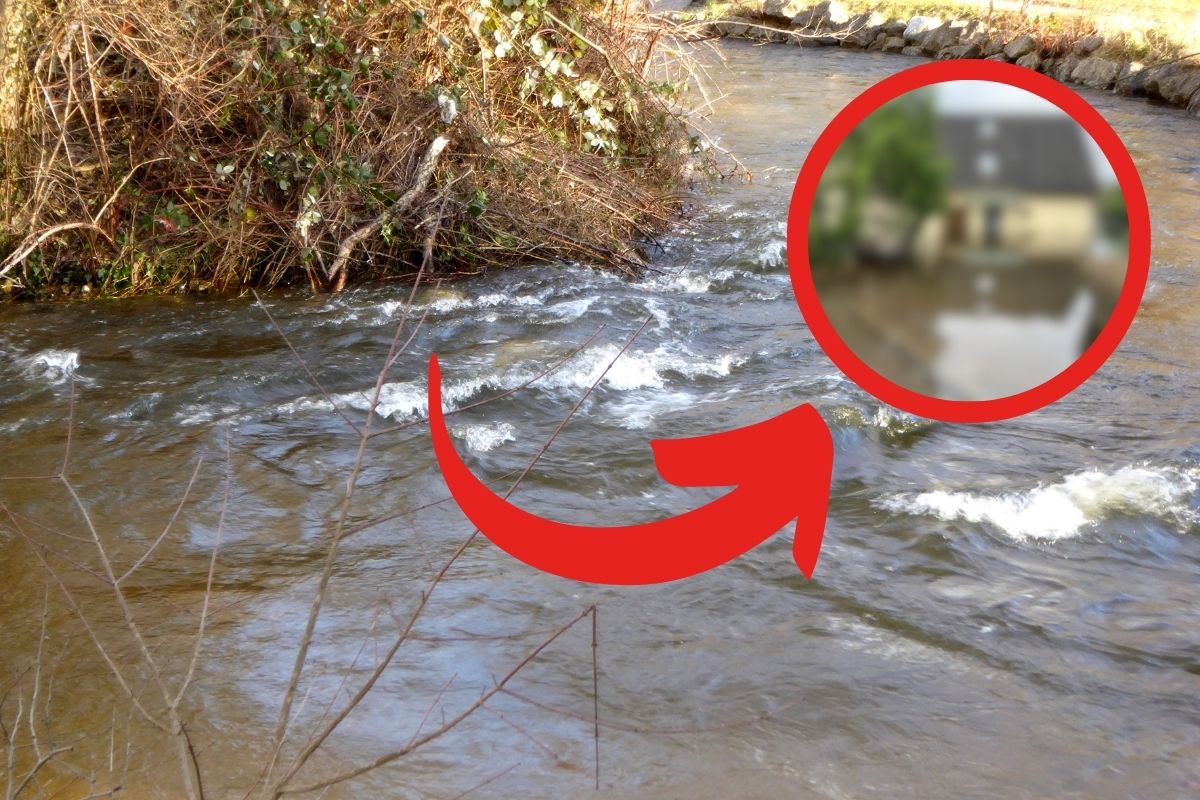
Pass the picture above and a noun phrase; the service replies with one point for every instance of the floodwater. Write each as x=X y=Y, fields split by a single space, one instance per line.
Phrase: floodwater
x=1006 y=610
x=967 y=333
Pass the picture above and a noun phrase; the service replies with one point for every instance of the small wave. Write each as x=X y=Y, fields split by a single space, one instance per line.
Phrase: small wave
x=637 y=413
x=889 y=421
x=1063 y=509
x=53 y=366
x=567 y=310
x=662 y=318
x=632 y=371
x=445 y=301
x=499 y=299
x=637 y=370
x=396 y=400
x=200 y=413
x=899 y=423
x=445 y=304
x=138 y=410
x=485 y=438
x=773 y=255
x=690 y=282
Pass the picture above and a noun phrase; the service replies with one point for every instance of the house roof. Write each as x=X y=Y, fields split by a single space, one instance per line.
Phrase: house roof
x=1027 y=153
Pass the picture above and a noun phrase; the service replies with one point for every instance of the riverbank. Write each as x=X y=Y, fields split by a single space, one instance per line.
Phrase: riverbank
x=1135 y=56
x=258 y=144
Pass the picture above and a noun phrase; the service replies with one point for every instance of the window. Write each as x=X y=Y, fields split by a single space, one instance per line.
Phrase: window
x=991 y=224
x=987 y=165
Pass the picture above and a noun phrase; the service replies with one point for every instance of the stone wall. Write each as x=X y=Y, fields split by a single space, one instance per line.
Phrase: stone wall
x=1087 y=62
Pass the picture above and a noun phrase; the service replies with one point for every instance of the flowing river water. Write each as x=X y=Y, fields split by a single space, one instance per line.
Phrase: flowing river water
x=1003 y=610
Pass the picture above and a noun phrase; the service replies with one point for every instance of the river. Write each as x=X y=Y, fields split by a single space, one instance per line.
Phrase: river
x=1004 y=610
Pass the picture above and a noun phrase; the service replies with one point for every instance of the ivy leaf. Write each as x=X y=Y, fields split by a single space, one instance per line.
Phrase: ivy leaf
x=478 y=203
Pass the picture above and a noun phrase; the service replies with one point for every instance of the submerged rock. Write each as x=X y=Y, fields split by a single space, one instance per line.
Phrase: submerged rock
x=893 y=44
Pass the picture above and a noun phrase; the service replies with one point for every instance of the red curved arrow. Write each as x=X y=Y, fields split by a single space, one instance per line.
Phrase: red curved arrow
x=780 y=469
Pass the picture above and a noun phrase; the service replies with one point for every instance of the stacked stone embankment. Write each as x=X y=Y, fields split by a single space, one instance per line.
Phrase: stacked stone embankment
x=1088 y=61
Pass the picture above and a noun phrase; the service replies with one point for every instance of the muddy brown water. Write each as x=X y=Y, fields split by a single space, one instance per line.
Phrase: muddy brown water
x=1005 y=610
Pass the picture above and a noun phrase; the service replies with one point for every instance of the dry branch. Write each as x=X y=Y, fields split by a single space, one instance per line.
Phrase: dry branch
x=336 y=274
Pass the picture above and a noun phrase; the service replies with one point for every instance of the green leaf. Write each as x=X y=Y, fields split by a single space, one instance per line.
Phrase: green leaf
x=478 y=203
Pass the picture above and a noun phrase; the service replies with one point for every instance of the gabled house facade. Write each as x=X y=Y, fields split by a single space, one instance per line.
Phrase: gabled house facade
x=1021 y=189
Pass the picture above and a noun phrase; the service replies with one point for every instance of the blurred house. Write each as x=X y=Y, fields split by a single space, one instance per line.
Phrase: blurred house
x=1021 y=190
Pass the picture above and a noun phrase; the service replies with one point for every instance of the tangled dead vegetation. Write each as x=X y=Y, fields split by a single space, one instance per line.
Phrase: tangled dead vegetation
x=162 y=145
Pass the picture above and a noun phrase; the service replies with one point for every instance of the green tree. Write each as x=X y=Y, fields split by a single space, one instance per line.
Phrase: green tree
x=893 y=154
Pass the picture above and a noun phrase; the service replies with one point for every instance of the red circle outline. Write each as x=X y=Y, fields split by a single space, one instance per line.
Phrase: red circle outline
x=1029 y=400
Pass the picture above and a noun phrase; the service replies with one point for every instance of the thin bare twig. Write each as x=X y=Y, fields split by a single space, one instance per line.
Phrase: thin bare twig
x=445 y=727
x=208 y=582
x=596 y=691
x=339 y=531
x=486 y=782
x=167 y=528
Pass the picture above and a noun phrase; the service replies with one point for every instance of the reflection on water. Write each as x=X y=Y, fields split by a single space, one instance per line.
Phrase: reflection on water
x=967 y=334
x=975 y=361
x=967 y=240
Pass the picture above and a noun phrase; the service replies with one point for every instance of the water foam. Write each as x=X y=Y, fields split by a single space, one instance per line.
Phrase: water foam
x=773 y=255
x=638 y=413
x=567 y=310
x=1063 y=509
x=397 y=400
x=690 y=282
x=53 y=366
x=484 y=438
x=448 y=302
x=637 y=370
x=631 y=371
x=199 y=414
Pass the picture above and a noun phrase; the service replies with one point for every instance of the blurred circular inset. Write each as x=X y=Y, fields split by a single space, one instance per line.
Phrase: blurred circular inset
x=968 y=240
